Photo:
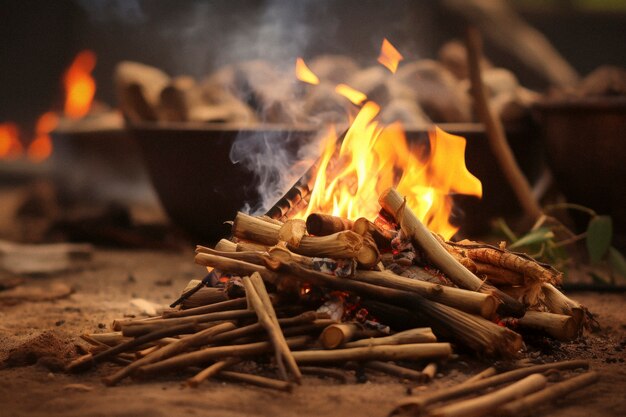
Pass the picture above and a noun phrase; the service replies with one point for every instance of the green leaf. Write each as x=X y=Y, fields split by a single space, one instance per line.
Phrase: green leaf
x=599 y=235
x=540 y=235
x=617 y=261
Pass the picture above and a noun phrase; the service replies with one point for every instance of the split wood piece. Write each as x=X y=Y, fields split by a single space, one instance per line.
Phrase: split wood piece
x=457 y=254
x=419 y=335
x=495 y=131
x=413 y=352
x=369 y=255
x=136 y=329
x=344 y=244
x=257 y=380
x=498 y=276
x=320 y=224
x=559 y=303
x=339 y=334
x=472 y=302
x=488 y=403
x=234 y=304
x=415 y=405
x=491 y=371
x=204 y=296
x=225 y=245
x=244 y=246
x=210 y=371
x=196 y=339
x=525 y=406
x=381 y=237
x=474 y=332
x=88 y=360
x=325 y=372
x=294 y=196
x=395 y=370
x=429 y=372
x=394 y=204
x=259 y=300
x=559 y=326
x=205 y=355
x=519 y=262
x=292 y=232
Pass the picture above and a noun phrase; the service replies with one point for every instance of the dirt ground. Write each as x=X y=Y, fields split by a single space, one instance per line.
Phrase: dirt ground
x=104 y=290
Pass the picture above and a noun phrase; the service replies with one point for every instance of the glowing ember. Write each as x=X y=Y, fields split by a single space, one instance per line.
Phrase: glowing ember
x=10 y=145
x=303 y=73
x=41 y=148
x=355 y=96
x=389 y=56
x=80 y=86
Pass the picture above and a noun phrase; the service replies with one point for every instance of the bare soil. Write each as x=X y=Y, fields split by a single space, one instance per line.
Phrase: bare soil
x=37 y=338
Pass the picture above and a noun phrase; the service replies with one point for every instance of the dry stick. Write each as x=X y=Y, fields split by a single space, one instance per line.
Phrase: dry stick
x=109 y=338
x=320 y=224
x=234 y=304
x=498 y=275
x=381 y=236
x=338 y=334
x=394 y=204
x=292 y=232
x=265 y=313
x=486 y=404
x=418 y=335
x=168 y=351
x=202 y=356
x=417 y=404
x=429 y=372
x=210 y=371
x=344 y=244
x=325 y=372
x=258 y=380
x=200 y=318
x=495 y=130
x=89 y=359
x=472 y=331
x=414 y=352
x=524 y=406
x=396 y=370
x=226 y=245
x=491 y=371
x=369 y=255
x=465 y=300
x=558 y=303
x=559 y=326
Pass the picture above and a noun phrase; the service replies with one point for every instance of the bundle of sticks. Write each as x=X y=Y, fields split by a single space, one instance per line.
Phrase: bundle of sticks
x=292 y=295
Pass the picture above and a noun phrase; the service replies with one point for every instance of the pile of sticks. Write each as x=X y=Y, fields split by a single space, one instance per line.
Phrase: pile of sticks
x=290 y=296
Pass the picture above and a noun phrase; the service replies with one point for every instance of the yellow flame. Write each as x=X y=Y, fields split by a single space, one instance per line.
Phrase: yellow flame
x=372 y=158
x=80 y=86
x=10 y=145
x=40 y=149
x=303 y=73
x=355 y=96
x=389 y=56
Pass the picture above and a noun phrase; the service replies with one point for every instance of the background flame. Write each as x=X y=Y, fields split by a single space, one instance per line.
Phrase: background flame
x=389 y=56
x=10 y=145
x=303 y=73
x=80 y=86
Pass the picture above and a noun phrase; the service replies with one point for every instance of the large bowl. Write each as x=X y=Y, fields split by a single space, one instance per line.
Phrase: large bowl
x=200 y=188
x=586 y=149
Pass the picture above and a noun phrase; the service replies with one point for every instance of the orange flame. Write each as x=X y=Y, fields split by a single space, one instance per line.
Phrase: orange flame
x=303 y=73
x=10 y=145
x=373 y=157
x=389 y=56
x=80 y=86
x=40 y=149
x=355 y=96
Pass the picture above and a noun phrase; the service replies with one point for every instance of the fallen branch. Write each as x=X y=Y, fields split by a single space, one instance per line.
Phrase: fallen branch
x=419 y=335
x=395 y=370
x=414 y=352
x=210 y=371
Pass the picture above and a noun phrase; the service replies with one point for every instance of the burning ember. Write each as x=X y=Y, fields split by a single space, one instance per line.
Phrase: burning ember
x=80 y=89
x=373 y=157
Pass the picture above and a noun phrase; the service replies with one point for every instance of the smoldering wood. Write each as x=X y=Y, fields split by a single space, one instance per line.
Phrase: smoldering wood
x=320 y=224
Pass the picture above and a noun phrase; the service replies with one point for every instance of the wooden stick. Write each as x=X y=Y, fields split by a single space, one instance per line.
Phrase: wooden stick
x=344 y=244
x=429 y=372
x=325 y=372
x=320 y=224
x=394 y=204
x=488 y=403
x=419 y=335
x=472 y=331
x=527 y=405
x=498 y=275
x=109 y=338
x=204 y=296
x=338 y=334
x=210 y=371
x=258 y=380
x=168 y=351
x=369 y=255
x=559 y=326
x=234 y=304
x=207 y=354
x=136 y=328
x=225 y=245
x=393 y=369
x=256 y=294
x=491 y=371
x=416 y=405
x=558 y=303
x=292 y=232
x=398 y=352
x=381 y=237
x=495 y=130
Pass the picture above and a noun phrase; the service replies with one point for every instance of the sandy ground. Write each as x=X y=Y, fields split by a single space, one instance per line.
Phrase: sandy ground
x=103 y=292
